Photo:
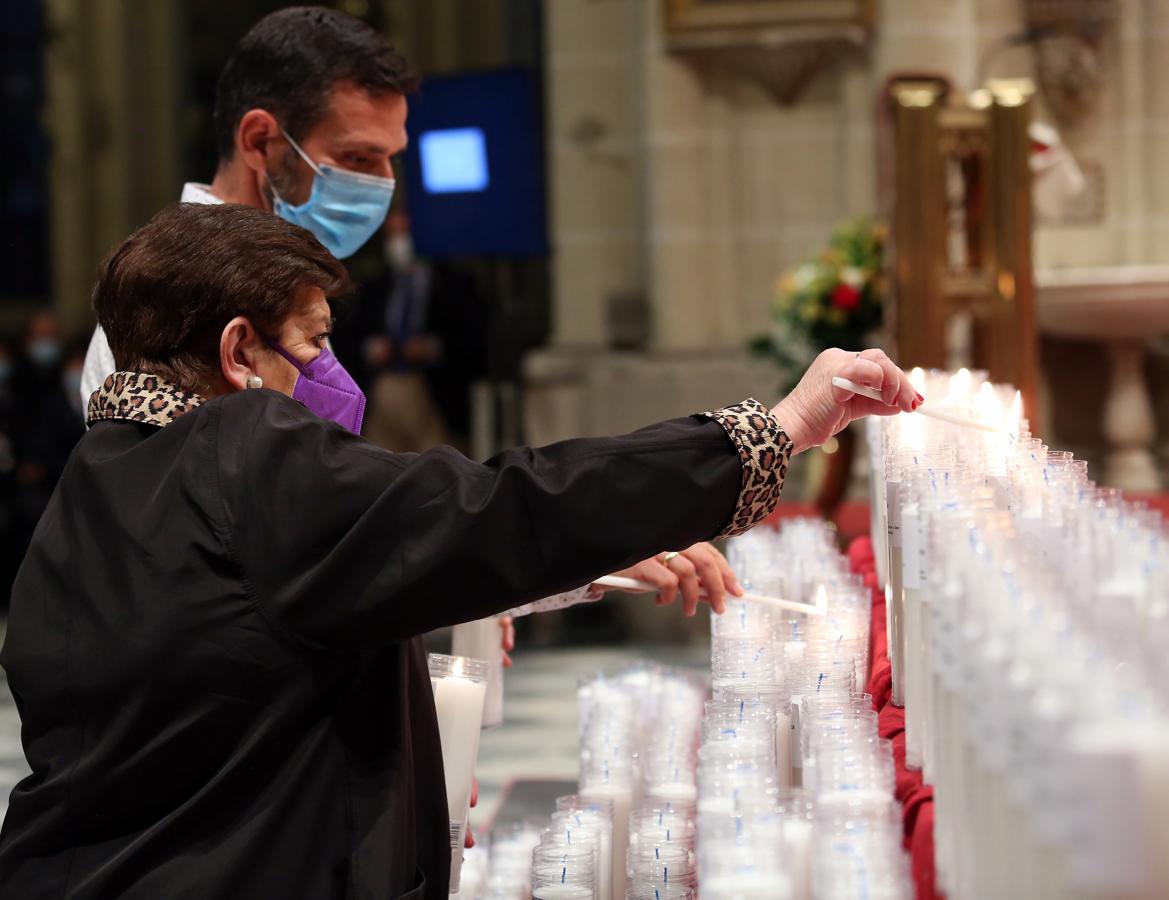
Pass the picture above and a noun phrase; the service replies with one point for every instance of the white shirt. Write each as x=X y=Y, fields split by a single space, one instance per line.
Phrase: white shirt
x=99 y=360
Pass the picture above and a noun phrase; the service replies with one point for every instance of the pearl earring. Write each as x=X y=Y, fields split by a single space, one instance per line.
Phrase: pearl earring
x=254 y=381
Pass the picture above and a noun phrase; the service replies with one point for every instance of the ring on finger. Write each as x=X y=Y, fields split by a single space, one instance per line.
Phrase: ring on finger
x=667 y=558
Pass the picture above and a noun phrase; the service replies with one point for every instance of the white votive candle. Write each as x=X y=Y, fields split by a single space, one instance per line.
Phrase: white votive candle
x=460 y=685
x=797 y=834
x=621 y=795
x=483 y=639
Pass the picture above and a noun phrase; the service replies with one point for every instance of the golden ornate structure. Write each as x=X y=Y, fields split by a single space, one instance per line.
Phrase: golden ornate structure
x=961 y=227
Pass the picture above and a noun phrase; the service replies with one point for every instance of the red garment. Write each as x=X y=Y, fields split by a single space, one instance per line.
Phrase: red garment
x=921 y=853
x=916 y=797
x=860 y=553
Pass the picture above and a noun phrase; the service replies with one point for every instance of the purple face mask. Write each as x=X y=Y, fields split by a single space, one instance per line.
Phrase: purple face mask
x=325 y=388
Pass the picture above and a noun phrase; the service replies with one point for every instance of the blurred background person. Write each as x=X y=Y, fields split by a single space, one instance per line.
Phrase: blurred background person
x=416 y=335
x=44 y=425
x=11 y=550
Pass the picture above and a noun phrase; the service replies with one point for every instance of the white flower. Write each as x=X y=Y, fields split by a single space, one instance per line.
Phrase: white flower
x=852 y=276
x=805 y=275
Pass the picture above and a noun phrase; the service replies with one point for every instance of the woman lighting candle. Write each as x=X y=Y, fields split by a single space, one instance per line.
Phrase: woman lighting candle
x=214 y=638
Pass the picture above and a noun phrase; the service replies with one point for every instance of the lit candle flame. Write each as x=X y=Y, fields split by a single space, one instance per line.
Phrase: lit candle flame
x=457 y=668
x=917 y=378
x=821 y=597
x=1016 y=413
x=960 y=386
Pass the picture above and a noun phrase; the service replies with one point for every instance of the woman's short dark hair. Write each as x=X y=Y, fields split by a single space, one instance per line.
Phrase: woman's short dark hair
x=165 y=295
x=290 y=61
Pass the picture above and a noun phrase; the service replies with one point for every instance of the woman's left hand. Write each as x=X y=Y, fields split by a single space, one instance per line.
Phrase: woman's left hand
x=697 y=570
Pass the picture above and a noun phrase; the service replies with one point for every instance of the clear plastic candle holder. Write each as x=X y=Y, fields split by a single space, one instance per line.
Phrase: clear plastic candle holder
x=563 y=873
x=660 y=864
x=459 y=685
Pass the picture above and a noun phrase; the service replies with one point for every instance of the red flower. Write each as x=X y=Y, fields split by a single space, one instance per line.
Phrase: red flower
x=846 y=297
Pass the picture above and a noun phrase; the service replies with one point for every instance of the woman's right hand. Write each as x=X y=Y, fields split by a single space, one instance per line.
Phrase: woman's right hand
x=816 y=409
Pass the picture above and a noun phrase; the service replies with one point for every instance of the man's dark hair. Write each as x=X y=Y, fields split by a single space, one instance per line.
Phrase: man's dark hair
x=165 y=295
x=290 y=62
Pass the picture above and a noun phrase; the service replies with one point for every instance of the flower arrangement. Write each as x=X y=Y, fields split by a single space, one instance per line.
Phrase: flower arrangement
x=834 y=300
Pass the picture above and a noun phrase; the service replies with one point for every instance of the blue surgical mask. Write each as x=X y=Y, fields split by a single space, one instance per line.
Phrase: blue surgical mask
x=45 y=351
x=344 y=209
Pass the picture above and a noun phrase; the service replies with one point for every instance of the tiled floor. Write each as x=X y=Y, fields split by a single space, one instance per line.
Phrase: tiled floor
x=537 y=740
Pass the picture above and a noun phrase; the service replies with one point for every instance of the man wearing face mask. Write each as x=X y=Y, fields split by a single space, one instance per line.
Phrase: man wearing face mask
x=310 y=110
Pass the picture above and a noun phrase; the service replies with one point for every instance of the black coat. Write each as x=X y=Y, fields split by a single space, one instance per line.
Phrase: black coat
x=214 y=649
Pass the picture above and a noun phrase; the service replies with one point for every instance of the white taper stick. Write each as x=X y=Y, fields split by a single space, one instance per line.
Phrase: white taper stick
x=644 y=587
x=922 y=410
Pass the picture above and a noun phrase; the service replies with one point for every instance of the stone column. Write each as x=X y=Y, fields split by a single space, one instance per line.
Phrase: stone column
x=591 y=164
x=112 y=109
x=689 y=237
x=595 y=211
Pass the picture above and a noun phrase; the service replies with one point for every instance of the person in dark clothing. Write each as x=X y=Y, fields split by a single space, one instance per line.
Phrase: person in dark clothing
x=214 y=638
x=11 y=549
x=46 y=434
x=43 y=426
x=415 y=338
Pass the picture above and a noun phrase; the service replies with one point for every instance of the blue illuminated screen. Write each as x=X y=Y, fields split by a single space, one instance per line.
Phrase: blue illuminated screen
x=474 y=166
x=454 y=160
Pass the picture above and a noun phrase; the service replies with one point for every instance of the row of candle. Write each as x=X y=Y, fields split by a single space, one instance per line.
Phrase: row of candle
x=1029 y=612
x=638 y=737
x=482 y=640
x=795 y=795
x=629 y=832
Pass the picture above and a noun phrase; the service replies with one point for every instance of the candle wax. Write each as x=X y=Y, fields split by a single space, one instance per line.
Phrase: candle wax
x=679 y=791
x=483 y=639
x=746 y=886
x=622 y=797
x=562 y=892
x=459 y=705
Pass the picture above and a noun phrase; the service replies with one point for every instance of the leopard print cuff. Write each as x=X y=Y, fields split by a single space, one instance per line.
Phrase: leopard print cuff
x=764 y=449
x=138 y=397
